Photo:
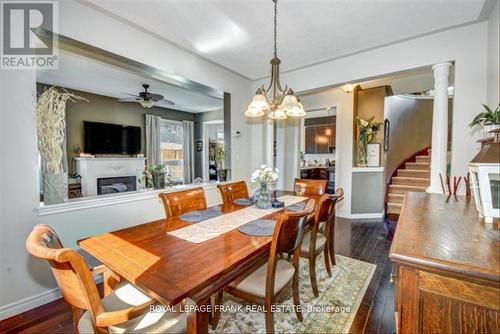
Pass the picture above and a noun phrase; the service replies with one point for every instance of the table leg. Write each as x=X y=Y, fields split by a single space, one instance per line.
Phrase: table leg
x=197 y=318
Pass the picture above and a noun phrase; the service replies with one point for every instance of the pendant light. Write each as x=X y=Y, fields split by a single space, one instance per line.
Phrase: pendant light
x=277 y=102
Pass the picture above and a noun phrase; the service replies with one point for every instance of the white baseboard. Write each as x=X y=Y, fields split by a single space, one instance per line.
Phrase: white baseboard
x=379 y=215
x=23 y=305
x=29 y=303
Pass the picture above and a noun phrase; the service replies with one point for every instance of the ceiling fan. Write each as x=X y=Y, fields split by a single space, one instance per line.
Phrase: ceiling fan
x=146 y=99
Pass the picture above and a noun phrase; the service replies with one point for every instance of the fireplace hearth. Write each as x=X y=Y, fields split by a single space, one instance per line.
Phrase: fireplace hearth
x=113 y=185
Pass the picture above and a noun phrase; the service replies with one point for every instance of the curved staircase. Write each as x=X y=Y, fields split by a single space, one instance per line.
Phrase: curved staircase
x=413 y=176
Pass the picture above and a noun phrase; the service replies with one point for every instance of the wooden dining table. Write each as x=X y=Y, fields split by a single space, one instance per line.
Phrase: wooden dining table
x=173 y=270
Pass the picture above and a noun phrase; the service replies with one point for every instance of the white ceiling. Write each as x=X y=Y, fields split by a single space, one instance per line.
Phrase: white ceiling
x=88 y=75
x=237 y=34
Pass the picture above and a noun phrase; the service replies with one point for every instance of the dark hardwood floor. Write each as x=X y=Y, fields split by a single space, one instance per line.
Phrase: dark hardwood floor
x=366 y=241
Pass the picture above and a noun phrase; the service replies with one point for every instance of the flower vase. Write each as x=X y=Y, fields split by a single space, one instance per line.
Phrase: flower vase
x=263 y=197
x=361 y=154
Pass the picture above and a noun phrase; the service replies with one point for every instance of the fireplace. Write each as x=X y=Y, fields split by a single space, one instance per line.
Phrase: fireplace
x=113 y=185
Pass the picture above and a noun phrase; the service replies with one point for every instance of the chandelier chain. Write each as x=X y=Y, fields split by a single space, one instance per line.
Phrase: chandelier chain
x=275 y=28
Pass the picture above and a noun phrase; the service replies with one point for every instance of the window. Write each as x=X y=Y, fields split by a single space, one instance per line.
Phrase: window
x=172 y=149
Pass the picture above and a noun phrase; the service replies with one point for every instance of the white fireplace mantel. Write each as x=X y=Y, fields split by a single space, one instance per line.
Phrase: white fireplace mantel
x=91 y=169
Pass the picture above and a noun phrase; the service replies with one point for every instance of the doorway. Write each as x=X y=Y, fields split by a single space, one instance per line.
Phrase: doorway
x=213 y=138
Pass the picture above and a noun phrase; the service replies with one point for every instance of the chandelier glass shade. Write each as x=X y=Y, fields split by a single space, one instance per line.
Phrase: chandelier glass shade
x=277 y=102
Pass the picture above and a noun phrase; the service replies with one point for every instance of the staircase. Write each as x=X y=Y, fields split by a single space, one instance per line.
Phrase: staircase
x=415 y=176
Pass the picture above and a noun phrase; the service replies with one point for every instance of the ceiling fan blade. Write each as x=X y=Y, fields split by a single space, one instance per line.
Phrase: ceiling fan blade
x=129 y=99
x=134 y=95
x=167 y=102
x=155 y=97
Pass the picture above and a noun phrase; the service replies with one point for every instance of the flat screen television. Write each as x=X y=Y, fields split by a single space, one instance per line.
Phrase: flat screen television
x=104 y=138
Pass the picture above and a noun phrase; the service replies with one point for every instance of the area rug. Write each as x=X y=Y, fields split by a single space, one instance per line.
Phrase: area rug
x=332 y=312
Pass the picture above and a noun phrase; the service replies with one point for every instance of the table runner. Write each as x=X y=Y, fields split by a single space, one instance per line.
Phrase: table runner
x=216 y=226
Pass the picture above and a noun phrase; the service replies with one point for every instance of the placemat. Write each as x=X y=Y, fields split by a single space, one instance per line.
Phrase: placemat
x=200 y=215
x=243 y=201
x=297 y=207
x=259 y=228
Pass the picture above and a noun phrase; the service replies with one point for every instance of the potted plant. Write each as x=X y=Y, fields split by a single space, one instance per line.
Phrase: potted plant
x=154 y=176
x=302 y=158
x=220 y=155
x=367 y=131
x=488 y=119
x=265 y=177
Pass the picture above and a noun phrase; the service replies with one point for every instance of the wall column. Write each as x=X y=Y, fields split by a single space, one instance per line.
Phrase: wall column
x=439 y=127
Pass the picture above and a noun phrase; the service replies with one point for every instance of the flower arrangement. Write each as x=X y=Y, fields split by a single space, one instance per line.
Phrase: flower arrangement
x=265 y=176
x=367 y=131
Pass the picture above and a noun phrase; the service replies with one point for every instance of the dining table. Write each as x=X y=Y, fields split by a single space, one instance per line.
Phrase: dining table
x=173 y=270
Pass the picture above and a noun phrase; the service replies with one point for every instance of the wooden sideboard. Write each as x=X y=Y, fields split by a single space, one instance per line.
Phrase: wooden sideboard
x=447 y=267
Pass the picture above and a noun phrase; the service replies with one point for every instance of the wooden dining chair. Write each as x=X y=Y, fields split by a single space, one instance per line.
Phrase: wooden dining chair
x=232 y=191
x=316 y=241
x=337 y=198
x=179 y=202
x=262 y=285
x=309 y=187
x=125 y=309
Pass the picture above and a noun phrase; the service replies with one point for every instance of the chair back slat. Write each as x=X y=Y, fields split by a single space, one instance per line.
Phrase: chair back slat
x=177 y=203
x=304 y=187
x=231 y=191
x=290 y=229
x=68 y=267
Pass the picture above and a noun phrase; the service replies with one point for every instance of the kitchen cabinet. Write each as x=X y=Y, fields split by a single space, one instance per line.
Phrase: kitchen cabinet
x=320 y=139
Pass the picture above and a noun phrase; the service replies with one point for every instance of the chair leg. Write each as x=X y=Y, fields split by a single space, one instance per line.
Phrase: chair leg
x=269 y=317
x=327 y=262
x=296 y=297
x=76 y=314
x=312 y=275
x=218 y=303
x=331 y=245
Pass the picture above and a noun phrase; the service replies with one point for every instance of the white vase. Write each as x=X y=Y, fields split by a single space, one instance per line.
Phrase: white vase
x=487 y=128
x=55 y=188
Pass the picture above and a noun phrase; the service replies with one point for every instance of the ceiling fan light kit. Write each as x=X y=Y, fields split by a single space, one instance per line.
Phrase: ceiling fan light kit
x=281 y=103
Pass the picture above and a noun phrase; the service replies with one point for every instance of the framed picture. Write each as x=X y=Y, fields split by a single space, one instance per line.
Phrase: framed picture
x=199 y=146
x=373 y=155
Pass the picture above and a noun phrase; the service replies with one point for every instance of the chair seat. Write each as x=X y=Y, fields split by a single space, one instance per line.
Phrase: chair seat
x=255 y=283
x=128 y=295
x=320 y=243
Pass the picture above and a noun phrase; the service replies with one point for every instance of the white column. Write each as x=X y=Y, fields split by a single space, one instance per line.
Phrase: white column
x=439 y=144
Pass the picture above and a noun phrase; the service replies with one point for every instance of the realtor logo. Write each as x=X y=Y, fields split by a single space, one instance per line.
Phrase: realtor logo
x=23 y=45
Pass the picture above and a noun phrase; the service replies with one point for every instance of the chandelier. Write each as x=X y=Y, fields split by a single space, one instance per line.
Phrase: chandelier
x=279 y=103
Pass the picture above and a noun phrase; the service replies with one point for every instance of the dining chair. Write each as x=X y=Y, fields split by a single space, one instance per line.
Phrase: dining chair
x=263 y=283
x=232 y=191
x=316 y=241
x=177 y=203
x=125 y=309
x=337 y=198
x=304 y=187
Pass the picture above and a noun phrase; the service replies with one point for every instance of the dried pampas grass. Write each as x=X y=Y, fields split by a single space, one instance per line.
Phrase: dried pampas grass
x=51 y=125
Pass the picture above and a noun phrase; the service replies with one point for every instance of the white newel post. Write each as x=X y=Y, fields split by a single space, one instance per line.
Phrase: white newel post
x=439 y=127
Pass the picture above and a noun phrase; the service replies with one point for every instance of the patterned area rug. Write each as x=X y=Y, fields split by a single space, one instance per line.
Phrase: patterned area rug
x=332 y=312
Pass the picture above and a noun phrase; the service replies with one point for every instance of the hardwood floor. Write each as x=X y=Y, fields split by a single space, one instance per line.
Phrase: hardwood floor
x=366 y=241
